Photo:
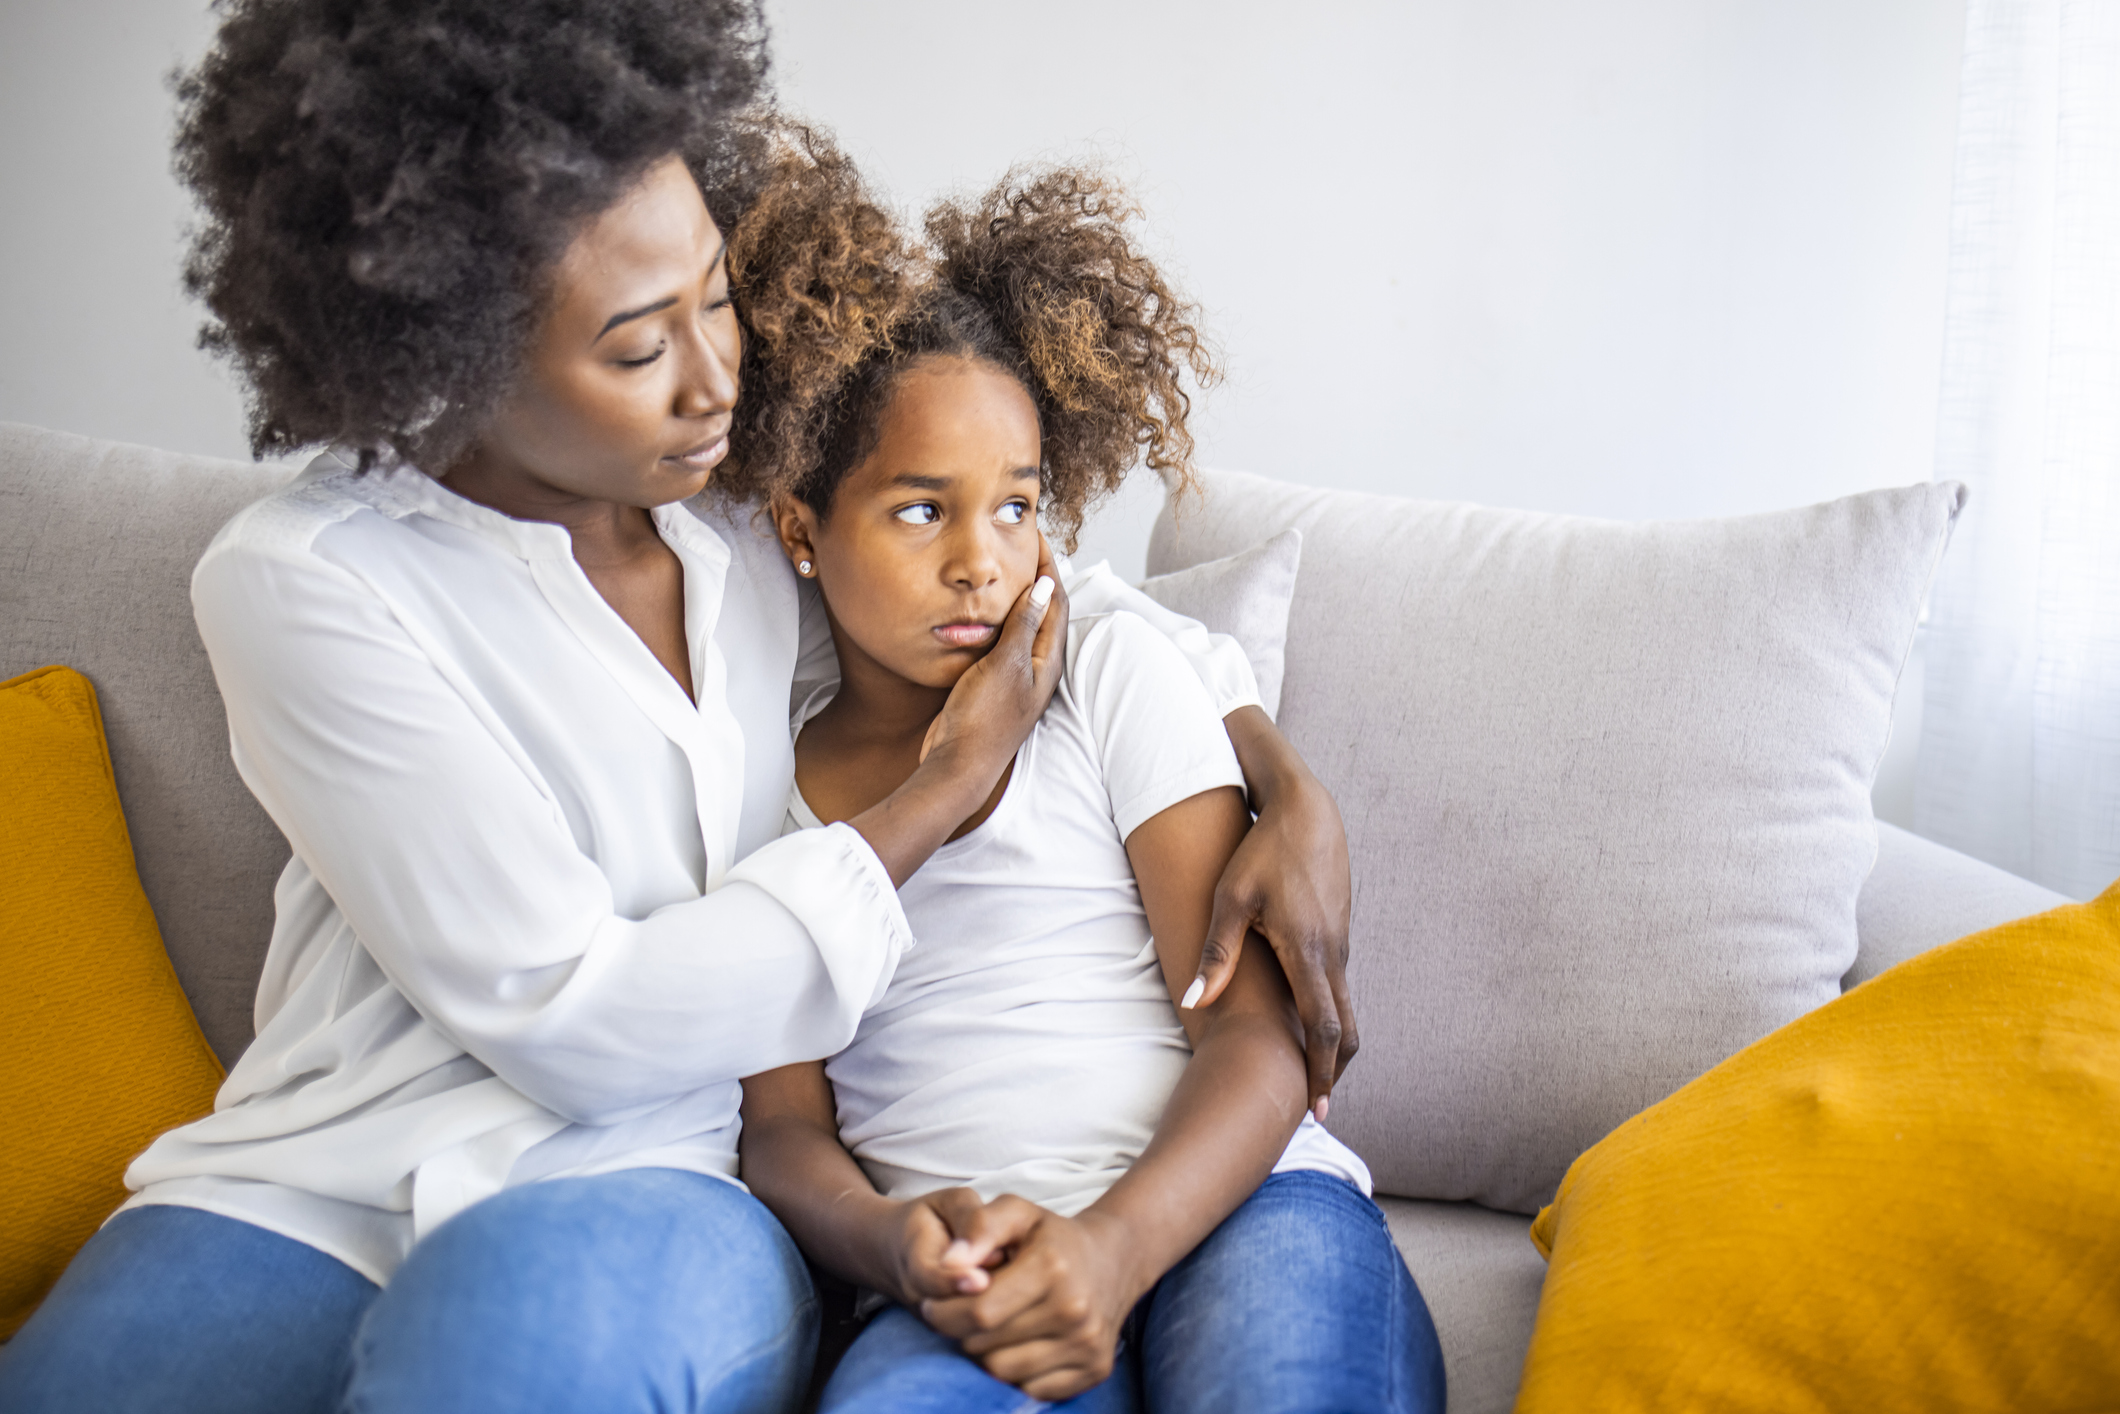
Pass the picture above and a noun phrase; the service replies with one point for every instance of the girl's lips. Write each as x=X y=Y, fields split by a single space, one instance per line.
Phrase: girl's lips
x=967 y=635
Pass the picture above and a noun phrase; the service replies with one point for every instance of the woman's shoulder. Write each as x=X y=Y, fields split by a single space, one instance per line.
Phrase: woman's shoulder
x=288 y=521
x=291 y=524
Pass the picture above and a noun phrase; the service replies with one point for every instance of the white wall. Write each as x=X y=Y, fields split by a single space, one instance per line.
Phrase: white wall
x=1639 y=259
x=98 y=335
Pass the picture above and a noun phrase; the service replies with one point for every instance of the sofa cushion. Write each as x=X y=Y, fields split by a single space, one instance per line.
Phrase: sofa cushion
x=97 y=544
x=1606 y=788
x=1480 y=1275
x=1901 y=1201
x=101 y=1053
x=1923 y=894
x=1246 y=596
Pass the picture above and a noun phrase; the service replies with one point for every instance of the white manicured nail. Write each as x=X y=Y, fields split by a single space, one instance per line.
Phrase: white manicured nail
x=1192 y=994
x=1042 y=592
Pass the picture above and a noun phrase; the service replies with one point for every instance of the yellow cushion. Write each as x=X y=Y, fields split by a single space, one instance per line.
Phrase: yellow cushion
x=1905 y=1200
x=98 y=1049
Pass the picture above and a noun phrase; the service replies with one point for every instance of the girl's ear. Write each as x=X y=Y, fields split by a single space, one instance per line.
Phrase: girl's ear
x=795 y=524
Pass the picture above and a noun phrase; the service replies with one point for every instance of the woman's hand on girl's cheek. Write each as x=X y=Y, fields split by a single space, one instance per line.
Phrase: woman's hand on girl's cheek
x=1289 y=882
x=1049 y=1322
x=995 y=704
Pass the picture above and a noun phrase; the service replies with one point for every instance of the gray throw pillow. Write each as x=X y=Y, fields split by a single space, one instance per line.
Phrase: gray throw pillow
x=1246 y=596
x=1606 y=788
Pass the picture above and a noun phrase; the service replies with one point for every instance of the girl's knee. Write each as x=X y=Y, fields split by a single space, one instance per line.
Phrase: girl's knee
x=899 y=1363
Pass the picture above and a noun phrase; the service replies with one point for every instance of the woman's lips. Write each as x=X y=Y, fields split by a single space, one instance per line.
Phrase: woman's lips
x=967 y=635
x=706 y=454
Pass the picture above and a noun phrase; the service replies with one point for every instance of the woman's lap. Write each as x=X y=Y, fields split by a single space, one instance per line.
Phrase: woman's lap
x=182 y=1311
x=1299 y=1300
x=649 y=1289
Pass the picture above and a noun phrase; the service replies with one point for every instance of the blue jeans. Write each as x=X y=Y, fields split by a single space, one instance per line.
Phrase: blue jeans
x=645 y=1290
x=1298 y=1301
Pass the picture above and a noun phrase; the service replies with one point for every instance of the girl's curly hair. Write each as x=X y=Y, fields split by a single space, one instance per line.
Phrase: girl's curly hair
x=387 y=185
x=1038 y=279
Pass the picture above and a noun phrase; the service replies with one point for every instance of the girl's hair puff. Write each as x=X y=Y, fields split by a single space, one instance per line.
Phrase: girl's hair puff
x=1038 y=279
x=1104 y=339
x=821 y=274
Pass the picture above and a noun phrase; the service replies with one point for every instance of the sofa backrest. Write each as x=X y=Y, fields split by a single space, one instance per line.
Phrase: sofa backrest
x=97 y=544
x=1606 y=786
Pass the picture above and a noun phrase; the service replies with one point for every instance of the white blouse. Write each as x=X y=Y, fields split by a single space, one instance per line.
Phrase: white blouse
x=537 y=921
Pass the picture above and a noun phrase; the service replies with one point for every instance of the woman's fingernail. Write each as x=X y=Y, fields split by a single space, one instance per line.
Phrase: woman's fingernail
x=958 y=1252
x=1191 y=998
x=1320 y=1109
x=1042 y=592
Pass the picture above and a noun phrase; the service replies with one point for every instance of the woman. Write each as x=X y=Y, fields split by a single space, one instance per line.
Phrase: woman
x=523 y=722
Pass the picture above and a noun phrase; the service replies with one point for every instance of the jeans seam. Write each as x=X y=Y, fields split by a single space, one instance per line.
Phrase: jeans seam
x=1396 y=1395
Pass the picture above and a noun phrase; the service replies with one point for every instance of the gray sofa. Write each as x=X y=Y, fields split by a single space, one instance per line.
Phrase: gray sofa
x=97 y=541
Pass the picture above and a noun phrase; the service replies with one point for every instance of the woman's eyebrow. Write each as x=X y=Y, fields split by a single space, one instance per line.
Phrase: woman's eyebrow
x=617 y=319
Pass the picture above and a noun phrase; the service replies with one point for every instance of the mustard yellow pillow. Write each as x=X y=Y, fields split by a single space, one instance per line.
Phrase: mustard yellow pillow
x=99 y=1051
x=1907 y=1200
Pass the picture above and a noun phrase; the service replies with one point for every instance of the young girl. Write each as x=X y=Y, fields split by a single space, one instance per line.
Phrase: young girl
x=1072 y=1185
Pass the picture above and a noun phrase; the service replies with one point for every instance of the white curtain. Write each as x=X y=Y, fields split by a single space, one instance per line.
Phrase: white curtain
x=2020 y=745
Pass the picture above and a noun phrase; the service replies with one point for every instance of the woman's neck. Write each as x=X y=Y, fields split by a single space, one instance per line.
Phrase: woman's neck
x=603 y=532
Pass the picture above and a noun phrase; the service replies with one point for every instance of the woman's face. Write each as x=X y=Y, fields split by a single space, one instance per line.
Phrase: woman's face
x=934 y=535
x=627 y=391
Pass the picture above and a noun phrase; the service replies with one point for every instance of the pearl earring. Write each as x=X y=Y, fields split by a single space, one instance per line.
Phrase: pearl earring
x=803 y=568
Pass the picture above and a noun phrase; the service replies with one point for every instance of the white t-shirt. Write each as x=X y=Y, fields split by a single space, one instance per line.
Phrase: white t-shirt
x=1027 y=1043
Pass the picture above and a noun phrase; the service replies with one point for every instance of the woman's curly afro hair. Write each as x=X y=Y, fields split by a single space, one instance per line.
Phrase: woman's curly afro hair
x=1038 y=279
x=387 y=184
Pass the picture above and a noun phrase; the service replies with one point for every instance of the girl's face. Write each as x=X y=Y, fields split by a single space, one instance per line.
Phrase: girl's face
x=630 y=384
x=934 y=535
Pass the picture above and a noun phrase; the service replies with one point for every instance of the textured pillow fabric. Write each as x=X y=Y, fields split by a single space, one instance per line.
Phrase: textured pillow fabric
x=98 y=1050
x=1246 y=596
x=1606 y=788
x=1901 y=1201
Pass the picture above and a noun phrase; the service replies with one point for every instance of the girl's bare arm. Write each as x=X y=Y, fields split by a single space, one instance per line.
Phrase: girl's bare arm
x=794 y=1163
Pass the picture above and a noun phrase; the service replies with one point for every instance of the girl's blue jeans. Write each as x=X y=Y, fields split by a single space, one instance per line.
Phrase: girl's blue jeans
x=1297 y=1302
x=651 y=1289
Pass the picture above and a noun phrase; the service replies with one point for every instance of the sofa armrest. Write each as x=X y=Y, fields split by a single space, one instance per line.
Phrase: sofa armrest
x=1922 y=893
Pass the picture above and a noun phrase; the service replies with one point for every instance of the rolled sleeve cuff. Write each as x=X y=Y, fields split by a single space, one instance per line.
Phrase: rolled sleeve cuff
x=838 y=889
